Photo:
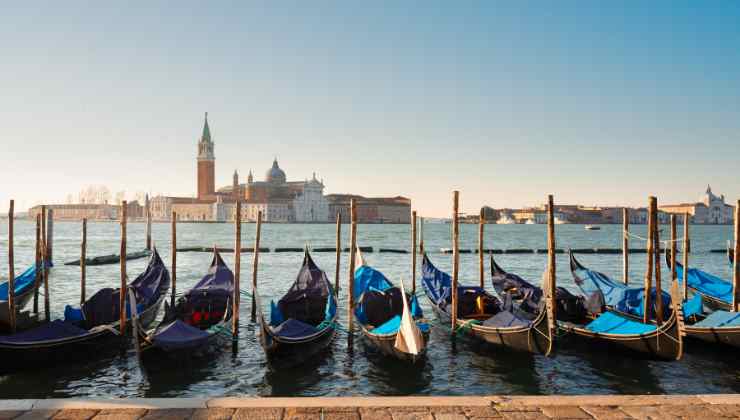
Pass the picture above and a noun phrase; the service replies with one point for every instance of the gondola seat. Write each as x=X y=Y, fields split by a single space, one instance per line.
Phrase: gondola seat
x=306 y=308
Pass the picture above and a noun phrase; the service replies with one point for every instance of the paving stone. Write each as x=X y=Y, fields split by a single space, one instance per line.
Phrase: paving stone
x=169 y=414
x=481 y=412
x=10 y=414
x=258 y=414
x=372 y=413
x=120 y=414
x=307 y=413
x=75 y=414
x=648 y=412
x=449 y=416
x=564 y=412
x=726 y=410
x=693 y=411
x=213 y=414
x=411 y=415
x=37 y=415
x=452 y=409
x=343 y=413
x=605 y=412
x=524 y=415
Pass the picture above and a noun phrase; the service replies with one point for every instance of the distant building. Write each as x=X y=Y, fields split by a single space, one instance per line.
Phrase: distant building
x=90 y=211
x=370 y=210
x=711 y=210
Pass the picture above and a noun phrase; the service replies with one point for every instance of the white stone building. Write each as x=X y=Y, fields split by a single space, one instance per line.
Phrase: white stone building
x=311 y=206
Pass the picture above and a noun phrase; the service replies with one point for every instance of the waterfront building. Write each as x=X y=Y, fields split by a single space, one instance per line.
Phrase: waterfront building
x=89 y=211
x=711 y=209
x=370 y=210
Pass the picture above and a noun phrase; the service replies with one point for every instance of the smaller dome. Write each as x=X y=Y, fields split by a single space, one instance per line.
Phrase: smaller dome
x=275 y=175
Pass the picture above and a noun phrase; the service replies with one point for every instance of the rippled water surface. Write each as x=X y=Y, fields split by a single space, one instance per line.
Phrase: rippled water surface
x=455 y=368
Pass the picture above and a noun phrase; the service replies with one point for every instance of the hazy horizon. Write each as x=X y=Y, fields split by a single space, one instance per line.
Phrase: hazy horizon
x=596 y=103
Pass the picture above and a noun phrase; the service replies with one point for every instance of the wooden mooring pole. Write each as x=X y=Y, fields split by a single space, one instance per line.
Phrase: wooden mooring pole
x=236 y=300
x=148 y=224
x=736 y=257
x=551 y=272
x=352 y=255
x=657 y=264
x=11 y=268
x=455 y=256
x=122 y=294
x=255 y=264
x=625 y=245
x=339 y=253
x=39 y=276
x=481 y=264
x=50 y=235
x=413 y=252
x=674 y=249
x=173 y=223
x=421 y=236
x=45 y=265
x=648 y=305
x=83 y=256
x=686 y=256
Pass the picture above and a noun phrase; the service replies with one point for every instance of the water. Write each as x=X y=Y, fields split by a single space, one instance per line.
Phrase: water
x=460 y=369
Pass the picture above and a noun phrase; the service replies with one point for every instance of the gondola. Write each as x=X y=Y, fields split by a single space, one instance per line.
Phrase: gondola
x=601 y=290
x=84 y=331
x=390 y=319
x=718 y=326
x=198 y=318
x=111 y=258
x=483 y=316
x=303 y=322
x=25 y=285
x=619 y=326
x=527 y=298
x=715 y=292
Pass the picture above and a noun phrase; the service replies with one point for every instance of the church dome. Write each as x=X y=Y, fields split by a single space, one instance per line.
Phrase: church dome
x=275 y=175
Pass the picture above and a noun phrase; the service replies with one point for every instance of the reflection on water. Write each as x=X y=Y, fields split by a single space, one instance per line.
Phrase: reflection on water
x=458 y=366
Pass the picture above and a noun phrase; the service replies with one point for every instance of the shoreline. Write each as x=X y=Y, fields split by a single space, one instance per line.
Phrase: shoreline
x=380 y=408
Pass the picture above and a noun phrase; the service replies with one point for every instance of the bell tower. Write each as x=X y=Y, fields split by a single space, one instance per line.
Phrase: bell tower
x=206 y=164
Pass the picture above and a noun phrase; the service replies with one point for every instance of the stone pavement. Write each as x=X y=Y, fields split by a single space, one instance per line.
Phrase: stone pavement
x=604 y=407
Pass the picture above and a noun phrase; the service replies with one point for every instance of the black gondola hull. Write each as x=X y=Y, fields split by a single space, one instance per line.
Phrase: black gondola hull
x=535 y=338
x=290 y=352
x=385 y=344
x=665 y=343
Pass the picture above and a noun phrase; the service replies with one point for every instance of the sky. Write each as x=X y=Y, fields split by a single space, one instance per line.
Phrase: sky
x=598 y=103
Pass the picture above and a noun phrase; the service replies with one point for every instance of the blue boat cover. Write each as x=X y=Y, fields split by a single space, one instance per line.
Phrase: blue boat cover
x=368 y=279
x=621 y=297
x=54 y=330
x=22 y=283
x=437 y=284
x=179 y=335
x=707 y=284
x=389 y=327
x=719 y=319
x=612 y=323
x=693 y=306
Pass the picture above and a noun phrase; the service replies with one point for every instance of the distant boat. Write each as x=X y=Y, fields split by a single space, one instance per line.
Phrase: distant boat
x=530 y=222
x=592 y=227
x=559 y=221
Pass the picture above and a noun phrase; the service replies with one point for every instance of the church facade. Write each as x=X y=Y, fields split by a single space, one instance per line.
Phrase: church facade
x=279 y=200
x=711 y=210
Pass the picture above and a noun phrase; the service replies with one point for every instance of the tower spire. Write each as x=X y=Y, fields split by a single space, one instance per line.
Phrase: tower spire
x=206 y=137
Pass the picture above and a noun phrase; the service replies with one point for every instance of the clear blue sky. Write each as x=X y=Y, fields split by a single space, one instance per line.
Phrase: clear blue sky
x=596 y=102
